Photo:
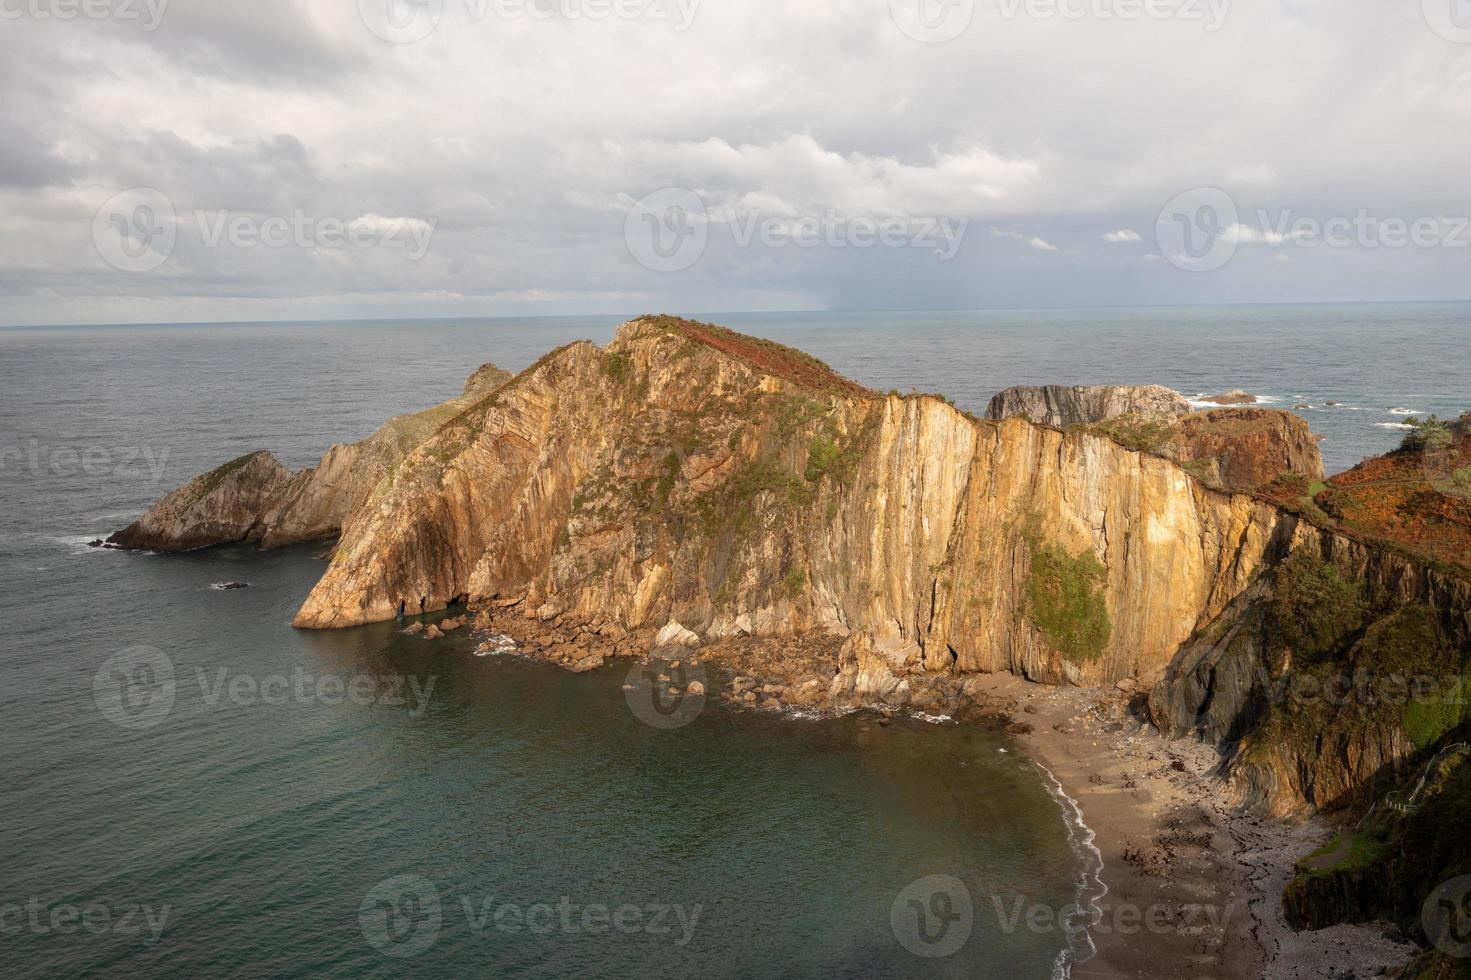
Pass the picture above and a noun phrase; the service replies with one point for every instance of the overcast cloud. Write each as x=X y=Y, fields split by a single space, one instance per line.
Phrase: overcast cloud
x=286 y=161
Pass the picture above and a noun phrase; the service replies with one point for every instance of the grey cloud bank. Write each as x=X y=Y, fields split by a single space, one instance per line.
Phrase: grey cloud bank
x=489 y=168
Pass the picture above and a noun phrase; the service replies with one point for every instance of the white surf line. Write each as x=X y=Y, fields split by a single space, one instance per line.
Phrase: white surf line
x=1080 y=838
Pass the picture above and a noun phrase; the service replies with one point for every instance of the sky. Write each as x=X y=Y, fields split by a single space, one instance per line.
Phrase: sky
x=196 y=160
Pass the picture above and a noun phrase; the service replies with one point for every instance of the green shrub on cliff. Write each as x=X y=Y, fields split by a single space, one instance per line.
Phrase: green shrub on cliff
x=1066 y=602
x=821 y=453
x=1314 y=607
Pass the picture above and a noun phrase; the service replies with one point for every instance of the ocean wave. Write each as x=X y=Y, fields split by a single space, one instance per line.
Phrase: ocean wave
x=496 y=645
x=77 y=544
x=1404 y=411
x=929 y=718
x=1394 y=425
x=1090 y=885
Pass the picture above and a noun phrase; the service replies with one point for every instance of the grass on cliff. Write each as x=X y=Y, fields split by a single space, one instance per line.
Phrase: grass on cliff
x=1344 y=852
x=1135 y=432
x=1314 y=607
x=1065 y=600
x=787 y=363
x=211 y=481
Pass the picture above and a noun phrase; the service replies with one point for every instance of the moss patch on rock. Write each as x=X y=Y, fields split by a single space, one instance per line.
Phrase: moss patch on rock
x=1065 y=599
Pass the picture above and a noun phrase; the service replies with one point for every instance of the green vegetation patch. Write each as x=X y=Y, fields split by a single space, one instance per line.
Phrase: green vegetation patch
x=822 y=452
x=1066 y=600
x=618 y=368
x=1135 y=432
x=217 y=476
x=1314 y=607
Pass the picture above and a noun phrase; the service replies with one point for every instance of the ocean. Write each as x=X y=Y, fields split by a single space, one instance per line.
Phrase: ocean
x=361 y=803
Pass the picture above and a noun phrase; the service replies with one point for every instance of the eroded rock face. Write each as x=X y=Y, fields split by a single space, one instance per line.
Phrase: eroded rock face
x=254 y=498
x=666 y=479
x=1319 y=680
x=1246 y=448
x=689 y=479
x=1064 y=405
x=221 y=506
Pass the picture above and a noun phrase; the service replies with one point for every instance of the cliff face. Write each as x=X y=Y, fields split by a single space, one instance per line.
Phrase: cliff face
x=1245 y=448
x=1065 y=405
x=681 y=477
x=1328 y=676
x=255 y=498
x=689 y=474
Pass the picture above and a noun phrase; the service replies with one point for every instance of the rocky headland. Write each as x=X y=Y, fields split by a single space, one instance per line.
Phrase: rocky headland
x=688 y=494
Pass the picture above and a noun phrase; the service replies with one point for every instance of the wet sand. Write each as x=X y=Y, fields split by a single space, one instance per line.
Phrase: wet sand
x=1193 y=886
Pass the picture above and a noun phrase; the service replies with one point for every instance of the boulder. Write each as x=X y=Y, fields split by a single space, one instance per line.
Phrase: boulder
x=673 y=634
x=1065 y=405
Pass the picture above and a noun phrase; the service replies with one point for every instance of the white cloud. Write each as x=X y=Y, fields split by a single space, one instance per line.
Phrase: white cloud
x=523 y=140
x=1252 y=175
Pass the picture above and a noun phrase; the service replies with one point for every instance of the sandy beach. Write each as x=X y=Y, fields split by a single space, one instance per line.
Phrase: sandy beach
x=1192 y=885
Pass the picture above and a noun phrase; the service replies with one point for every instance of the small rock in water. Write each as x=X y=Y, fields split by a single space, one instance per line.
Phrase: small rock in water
x=225 y=586
x=414 y=629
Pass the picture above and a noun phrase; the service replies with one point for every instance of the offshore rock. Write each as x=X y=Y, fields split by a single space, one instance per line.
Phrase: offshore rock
x=1063 y=405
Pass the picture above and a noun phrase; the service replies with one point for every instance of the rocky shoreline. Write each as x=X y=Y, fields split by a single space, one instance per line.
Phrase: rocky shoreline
x=1193 y=881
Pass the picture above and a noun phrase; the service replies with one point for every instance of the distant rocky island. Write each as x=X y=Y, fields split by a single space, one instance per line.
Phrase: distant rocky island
x=689 y=487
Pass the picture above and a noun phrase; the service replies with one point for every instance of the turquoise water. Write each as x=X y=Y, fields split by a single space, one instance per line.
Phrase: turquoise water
x=258 y=825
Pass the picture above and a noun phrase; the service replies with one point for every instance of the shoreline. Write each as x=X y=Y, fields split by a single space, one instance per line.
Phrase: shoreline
x=1192 y=885
x=1174 y=880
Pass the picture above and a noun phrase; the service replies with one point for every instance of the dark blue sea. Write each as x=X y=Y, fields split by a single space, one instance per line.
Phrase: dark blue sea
x=190 y=787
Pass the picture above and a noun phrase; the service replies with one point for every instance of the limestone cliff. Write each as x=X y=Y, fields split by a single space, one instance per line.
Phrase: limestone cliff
x=688 y=473
x=255 y=498
x=1066 y=405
